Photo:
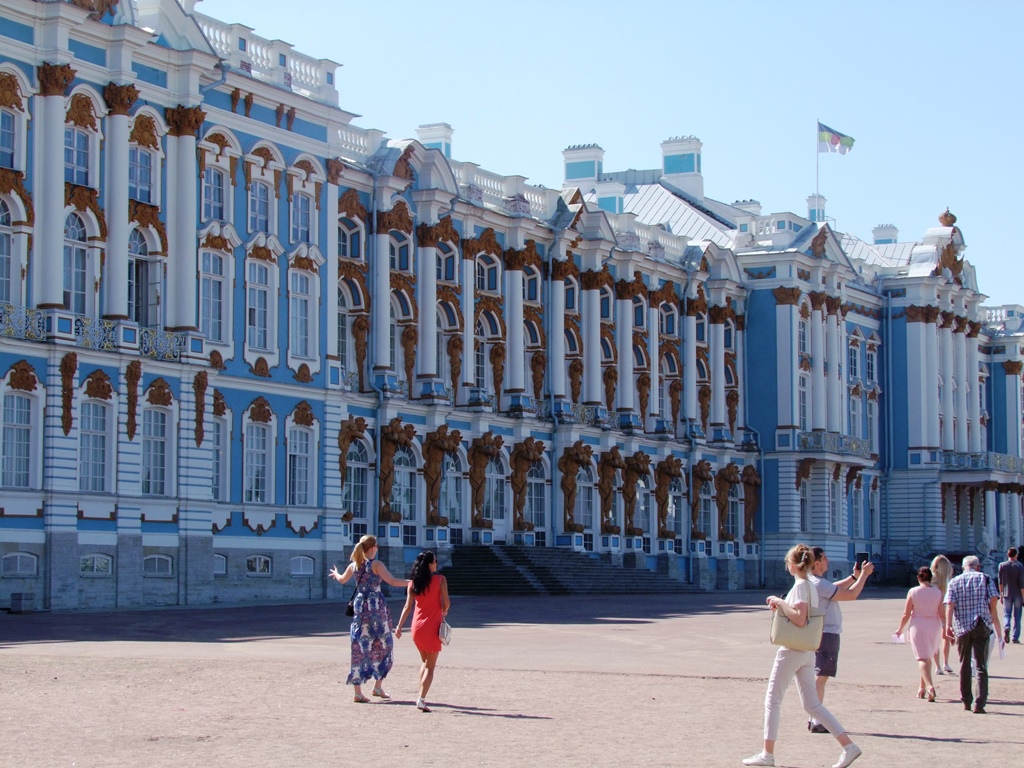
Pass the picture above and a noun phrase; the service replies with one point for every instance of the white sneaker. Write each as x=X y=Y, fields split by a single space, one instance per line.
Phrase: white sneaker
x=851 y=753
x=949 y=670
x=938 y=670
x=761 y=758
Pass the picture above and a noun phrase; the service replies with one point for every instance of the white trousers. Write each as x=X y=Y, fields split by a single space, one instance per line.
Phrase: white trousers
x=798 y=664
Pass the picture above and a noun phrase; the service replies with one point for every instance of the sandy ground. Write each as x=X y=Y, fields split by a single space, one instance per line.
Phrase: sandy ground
x=557 y=681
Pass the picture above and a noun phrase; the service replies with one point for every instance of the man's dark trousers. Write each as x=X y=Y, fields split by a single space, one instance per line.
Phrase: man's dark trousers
x=974 y=643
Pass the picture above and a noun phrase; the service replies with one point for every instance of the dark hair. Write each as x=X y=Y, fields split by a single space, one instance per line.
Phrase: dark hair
x=1011 y=552
x=421 y=574
x=818 y=552
x=924 y=573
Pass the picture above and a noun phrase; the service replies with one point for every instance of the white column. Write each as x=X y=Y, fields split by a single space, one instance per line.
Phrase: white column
x=1012 y=370
x=834 y=360
x=591 y=343
x=818 y=376
x=990 y=513
x=515 y=370
x=426 y=349
x=960 y=442
x=120 y=99
x=380 y=310
x=48 y=265
x=625 y=400
x=182 y=259
x=930 y=376
x=716 y=344
x=948 y=367
x=739 y=342
x=330 y=285
x=974 y=444
x=842 y=388
x=556 y=343
x=690 y=369
x=654 y=355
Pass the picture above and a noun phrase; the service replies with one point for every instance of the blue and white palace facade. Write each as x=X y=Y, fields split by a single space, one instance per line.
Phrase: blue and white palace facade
x=237 y=332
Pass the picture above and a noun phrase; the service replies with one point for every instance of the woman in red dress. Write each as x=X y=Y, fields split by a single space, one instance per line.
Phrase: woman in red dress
x=428 y=590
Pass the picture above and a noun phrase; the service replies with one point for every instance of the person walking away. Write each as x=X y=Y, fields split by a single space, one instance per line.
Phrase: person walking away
x=790 y=664
x=428 y=591
x=1011 y=583
x=942 y=572
x=830 y=594
x=370 y=632
x=927 y=619
x=971 y=617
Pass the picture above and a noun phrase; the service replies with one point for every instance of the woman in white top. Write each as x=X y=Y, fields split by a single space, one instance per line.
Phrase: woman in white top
x=790 y=663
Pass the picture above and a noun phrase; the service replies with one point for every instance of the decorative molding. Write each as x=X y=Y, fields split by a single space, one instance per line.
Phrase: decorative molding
x=303 y=414
x=521 y=459
x=10 y=92
x=148 y=215
x=120 y=98
x=303 y=375
x=627 y=290
x=144 y=132
x=485 y=242
x=335 y=169
x=348 y=431
x=803 y=471
x=350 y=206
x=787 y=296
x=1013 y=367
x=159 y=393
x=260 y=411
x=392 y=437
x=22 y=376
x=398 y=219
x=199 y=385
x=98 y=386
x=569 y=463
x=725 y=479
x=437 y=445
x=217 y=360
x=220 y=406
x=184 y=121
x=54 y=79
x=85 y=199
x=14 y=181
x=666 y=472
x=260 y=368
x=133 y=375
x=700 y=474
x=68 y=366
x=751 y=502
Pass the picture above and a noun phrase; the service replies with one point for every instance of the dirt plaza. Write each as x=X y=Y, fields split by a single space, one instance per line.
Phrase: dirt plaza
x=557 y=681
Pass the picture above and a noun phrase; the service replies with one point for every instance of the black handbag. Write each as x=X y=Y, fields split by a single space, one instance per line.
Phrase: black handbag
x=350 y=609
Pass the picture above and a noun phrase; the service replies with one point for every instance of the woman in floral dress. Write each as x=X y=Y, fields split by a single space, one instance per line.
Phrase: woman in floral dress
x=372 y=643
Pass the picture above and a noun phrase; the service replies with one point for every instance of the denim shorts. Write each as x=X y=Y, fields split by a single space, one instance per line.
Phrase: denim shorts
x=826 y=658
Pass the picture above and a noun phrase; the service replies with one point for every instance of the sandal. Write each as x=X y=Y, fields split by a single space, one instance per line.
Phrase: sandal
x=379 y=693
x=920 y=693
x=421 y=705
x=360 y=699
x=931 y=695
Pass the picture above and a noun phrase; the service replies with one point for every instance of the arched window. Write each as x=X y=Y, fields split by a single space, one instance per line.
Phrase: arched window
x=302 y=565
x=356 y=493
x=76 y=155
x=144 y=280
x=452 y=495
x=93 y=429
x=639 y=313
x=7 y=139
x=76 y=266
x=140 y=173
x=677 y=517
x=495 y=491
x=571 y=292
x=702 y=327
x=350 y=239
x=447 y=263
x=480 y=357
x=345 y=356
x=403 y=494
x=259 y=565
x=667 y=317
x=487 y=274
x=707 y=516
x=643 y=517
x=734 y=513
x=160 y=566
x=16 y=444
x=535 y=509
x=532 y=283
x=20 y=565
x=606 y=304
x=729 y=334
x=584 y=512
x=398 y=251
x=6 y=256
x=96 y=565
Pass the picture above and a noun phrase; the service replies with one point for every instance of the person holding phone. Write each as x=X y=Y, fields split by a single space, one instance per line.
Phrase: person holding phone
x=830 y=594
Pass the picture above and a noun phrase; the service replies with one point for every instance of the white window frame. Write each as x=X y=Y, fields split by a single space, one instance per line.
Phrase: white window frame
x=162 y=481
x=856 y=415
x=806 y=521
x=259 y=566
x=18 y=441
x=20 y=565
x=803 y=394
x=251 y=456
x=220 y=564
x=220 y=469
x=347 y=229
x=396 y=242
x=141 y=264
x=403 y=492
x=536 y=508
x=75 y=249
x=706 y=521
x=302 y=566
x=143 y=174
x=255 y=204
x=96 y=565
x=312 y=263
x=79 y=156
x=215 y=184
x=452 y=501
x=355 y=495
x=835 y=506
x=214 y=293
x=496 y=495
x=301 y=465
x=272 y=352
x=109 y=441
x=853 y=362
x=302 y=219
x=158 y=567
x=584 y=514
x=20 y=125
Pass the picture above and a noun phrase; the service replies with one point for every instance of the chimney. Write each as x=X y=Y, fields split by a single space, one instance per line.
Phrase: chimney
x=753 y=207
x=436 y=136
x=680 y=164
x=884 y=234
x=584 y=163
x=816 y=208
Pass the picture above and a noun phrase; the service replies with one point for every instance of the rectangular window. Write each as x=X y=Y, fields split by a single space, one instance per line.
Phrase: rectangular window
x=802 y=404
x=869 y=366
x=6 y=286
x=140 y=175
x=852 y=368
x=343 y=341
x=74 y=279
x=17 y=434
x=258 y=298
x=298 y=467
x=6 y=139
x=211 y=297
x=301 y=218
x=213 y=194
x=154 y=453
x=144 y=279
x=855 y=416
x=217 y=470
x=256 y=464
x=872 y=433
x=259 y=208
x=92 y=450
x=874 y=516
x=355 y=493
x=857 y=513
x=805 y=506
x=298 y=322
x=835 y=501
x=76 y=156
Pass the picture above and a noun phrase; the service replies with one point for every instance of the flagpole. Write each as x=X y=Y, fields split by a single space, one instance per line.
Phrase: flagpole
x=817 y=161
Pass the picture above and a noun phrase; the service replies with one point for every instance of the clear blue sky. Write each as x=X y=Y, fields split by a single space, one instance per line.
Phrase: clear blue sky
x=929 y=89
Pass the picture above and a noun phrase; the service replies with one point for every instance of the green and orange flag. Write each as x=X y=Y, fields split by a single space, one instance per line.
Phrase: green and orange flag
x=833 y=141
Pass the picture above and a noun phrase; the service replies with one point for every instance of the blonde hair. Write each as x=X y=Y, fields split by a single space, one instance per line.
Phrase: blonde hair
x=359 y=552
x=942 y=570
x=801 y=556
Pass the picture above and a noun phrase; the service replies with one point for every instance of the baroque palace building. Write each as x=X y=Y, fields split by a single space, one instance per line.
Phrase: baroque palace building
x=237 y=332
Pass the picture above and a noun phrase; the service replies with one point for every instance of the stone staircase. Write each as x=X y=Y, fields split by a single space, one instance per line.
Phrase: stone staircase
x=518 y=570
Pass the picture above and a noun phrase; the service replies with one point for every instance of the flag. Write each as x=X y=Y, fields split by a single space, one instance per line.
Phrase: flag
x=833 y=141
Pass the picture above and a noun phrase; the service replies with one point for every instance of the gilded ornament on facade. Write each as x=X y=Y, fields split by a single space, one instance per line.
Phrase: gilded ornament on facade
x=278 y=114
x=521 y=459
x=436 y=446
x=217 y=360
x=260 y=368
x=290 y=117
x=751 y=500
x=335 y=168
x=260 y=252
x=98 y=8
x=81 y=113
x=608 y=334
x=353 y=428
x=535 y=315
x=303 y=414
x=666 y=471
x=303 y=375
x=946 y=320
x=699 y=475
x=85 y=199
x=1013 y=367
x=538 y=365
x=704 y=399
x=120 y=98
x=398 y=219
x=305 y=263
x=22 y=376
x=360 y=330
x=851 y=475
x=485 y=242
x=199 y=384
x=133 y=374
x=837 y=470
x=727 y=477
x=481 y=451
x=492 y=304
x=675 y=392
x=575 y=379
x=455 y=349
x=10 y=92
x=98 y=386
x=260 y=411
x=697 y=305
x=147 y=215
x=248 y=103
x=54 y=79
x=637 y=466
x=68 y=367
x=570 y=462
x=410 y=337
x=184 y=121
x=350 y=206
x=159 y=393
x=803 y=471
x=392 y=437
x=144 y=132
x=610 y=379
x=643 y=390
x=497 y=359
x=732 y=402
x=631 y=289
x=818 y=243
x=14 y=181
x=787 y=296
x=403 y=165
x=666 y=294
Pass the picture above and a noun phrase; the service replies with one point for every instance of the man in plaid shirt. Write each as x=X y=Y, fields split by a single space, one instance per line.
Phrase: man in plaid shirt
x=970 y=620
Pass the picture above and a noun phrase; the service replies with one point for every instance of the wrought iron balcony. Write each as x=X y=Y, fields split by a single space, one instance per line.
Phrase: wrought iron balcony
x=995 y=462
x=833 y=442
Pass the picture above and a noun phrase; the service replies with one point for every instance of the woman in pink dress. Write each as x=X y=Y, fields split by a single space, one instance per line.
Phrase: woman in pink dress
x=927 y=622
x=428 y=590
